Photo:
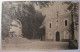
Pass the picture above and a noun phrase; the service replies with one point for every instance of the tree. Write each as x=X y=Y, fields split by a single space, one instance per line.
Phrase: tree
x=73 y=7
x=42 y=4
x=29 y=17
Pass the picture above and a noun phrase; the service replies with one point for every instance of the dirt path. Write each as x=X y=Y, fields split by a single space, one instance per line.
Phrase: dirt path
x=37 y=45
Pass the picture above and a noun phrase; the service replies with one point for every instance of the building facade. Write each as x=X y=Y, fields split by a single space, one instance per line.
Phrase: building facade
x=58 y=28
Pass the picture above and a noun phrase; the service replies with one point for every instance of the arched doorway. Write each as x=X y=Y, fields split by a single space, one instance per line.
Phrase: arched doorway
x=57 y=36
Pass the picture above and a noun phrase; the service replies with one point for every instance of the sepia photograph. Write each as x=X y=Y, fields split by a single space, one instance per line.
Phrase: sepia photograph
x=40 y=25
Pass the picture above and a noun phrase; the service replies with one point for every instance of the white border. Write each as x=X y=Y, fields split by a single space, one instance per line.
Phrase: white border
x=39 y=51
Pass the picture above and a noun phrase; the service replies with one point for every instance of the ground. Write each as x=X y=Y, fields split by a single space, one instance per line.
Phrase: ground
x=35 y=45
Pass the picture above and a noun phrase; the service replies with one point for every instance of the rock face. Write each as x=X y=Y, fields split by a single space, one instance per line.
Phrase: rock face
x=15 y=28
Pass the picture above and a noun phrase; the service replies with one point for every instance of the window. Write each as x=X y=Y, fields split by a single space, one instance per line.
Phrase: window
x=66 y=34
x=50 y=25
x=50 y=35
x=65 y=22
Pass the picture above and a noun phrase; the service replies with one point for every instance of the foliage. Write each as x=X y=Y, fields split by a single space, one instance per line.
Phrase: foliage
x=43 y=3
x=74 y=8
x=30 y=18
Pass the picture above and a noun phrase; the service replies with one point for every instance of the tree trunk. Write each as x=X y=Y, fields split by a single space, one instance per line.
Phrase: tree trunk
x=72 y=26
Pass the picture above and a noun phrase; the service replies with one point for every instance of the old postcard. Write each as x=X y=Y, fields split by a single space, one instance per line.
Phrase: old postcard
x=40 y=25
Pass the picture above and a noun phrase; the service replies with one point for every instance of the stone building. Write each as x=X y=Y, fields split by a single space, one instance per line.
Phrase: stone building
x=58 y=28
x=57 y=22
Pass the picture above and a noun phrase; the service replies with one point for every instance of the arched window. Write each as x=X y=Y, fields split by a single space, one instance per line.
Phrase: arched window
x=50 y=24
x=65 y=22
x=50 y=35
x=66 y=34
